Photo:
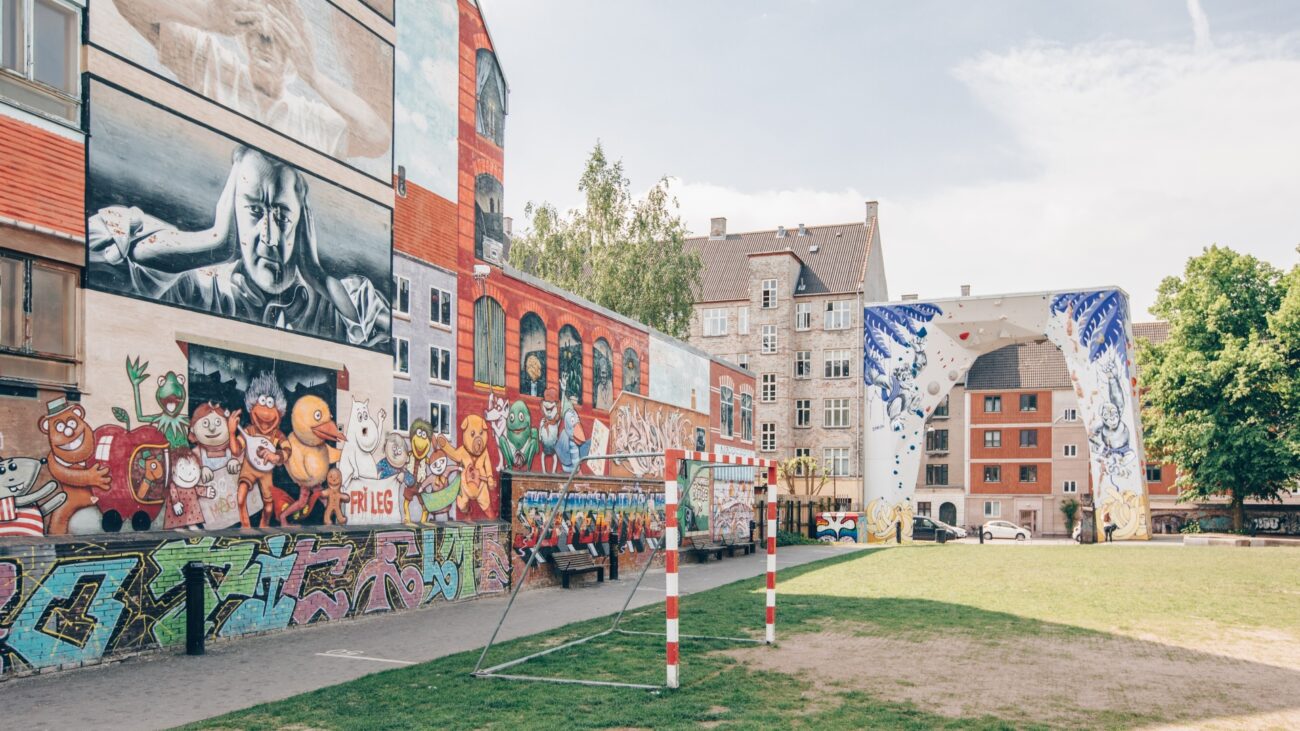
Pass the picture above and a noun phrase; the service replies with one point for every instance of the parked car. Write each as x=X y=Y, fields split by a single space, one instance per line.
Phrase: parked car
x=1004 y=529
x=952 y=529
x=928 y=529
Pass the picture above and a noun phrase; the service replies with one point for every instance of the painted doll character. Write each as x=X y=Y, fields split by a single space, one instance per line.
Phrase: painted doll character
x=573 y=443
x=518 y=444
x=476 y=477
x=421 y=448
x=181 y=510
x=363 y=438
x=172 y=420
x=310 y=454
x=548 y=429
x=214 y=434
x=496 y=417
x=438 y=491
x=149 y=475
x=23 y=506
x=264 y=446
x=72 y=443
x=334 y=498
x=397 y=457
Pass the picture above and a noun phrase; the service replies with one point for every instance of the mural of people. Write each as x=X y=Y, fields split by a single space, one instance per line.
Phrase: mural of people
x=1110 y=440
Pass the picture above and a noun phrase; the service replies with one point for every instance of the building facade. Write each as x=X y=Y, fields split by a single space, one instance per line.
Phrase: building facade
x=784 y=304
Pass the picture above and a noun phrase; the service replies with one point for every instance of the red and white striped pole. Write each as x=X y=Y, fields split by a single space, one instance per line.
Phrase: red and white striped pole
x=671 y=459
x=771 y=554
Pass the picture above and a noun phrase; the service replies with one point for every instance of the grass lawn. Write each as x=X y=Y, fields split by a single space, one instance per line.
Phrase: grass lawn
x=918 y=637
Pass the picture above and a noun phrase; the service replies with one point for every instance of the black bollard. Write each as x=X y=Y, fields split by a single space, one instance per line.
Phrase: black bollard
x=898 y=531
x=613 y=556
x=981 y=534
x=941 y=535
x=194 y=613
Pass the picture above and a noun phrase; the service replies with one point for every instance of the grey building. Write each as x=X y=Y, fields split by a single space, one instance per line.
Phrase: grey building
x=424 y=345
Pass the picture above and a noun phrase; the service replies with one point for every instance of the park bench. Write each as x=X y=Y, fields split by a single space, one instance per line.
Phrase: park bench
x=744 y=544
x=568 y=563
x=703 y=549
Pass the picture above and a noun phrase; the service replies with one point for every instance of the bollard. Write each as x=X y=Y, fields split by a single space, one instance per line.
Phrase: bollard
x=194 y=612
x=941 y=535
x=898 y=531
x=981 y=535
x=613 y=556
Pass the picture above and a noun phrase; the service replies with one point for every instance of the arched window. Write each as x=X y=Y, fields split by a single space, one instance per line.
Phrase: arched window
x=489 y=342
x=570 y=364
x=747 y=416
x=727 y=403
x=602 y=374
x=491 y=98
x=631 y=371
x=532 y=355
x=489 y=218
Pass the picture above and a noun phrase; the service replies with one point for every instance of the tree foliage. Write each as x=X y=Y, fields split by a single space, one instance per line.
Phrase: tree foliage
x=622 y=253
x=803 y=471
x=1221 y=394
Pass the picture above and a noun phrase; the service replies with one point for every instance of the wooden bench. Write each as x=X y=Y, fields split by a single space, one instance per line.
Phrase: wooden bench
x=745 y=545
x=702 y=550
x=568 y=563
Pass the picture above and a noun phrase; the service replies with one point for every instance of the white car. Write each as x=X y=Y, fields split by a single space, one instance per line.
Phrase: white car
x=1003 y=529
x=959 y=532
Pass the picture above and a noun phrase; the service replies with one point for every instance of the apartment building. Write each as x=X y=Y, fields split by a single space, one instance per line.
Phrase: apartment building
x=941 y=482
x=783 y=303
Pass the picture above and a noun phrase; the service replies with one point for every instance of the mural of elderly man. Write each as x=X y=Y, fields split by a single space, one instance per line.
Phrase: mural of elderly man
x=259 y=261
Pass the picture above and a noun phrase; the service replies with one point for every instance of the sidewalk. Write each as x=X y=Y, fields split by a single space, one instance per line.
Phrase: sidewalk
x=167 y=689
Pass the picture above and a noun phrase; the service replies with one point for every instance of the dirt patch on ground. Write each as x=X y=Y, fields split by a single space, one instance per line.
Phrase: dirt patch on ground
x=1064 y=680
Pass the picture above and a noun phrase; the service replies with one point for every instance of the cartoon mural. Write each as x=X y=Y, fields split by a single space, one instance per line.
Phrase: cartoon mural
x=695 y=491
x=838 y=527
x=230 y=230
x=23 y=505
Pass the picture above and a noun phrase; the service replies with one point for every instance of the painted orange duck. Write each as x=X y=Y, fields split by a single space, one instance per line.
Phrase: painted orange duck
x=311 y=454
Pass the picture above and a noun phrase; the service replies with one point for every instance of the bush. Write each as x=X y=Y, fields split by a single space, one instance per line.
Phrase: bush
x=786 y=538
x=1193 y=526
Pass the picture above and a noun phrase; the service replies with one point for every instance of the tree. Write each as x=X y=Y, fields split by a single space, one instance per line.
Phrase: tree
x=1069 y=508
x=1221 y=394
x=624 y=254
x=805 y=470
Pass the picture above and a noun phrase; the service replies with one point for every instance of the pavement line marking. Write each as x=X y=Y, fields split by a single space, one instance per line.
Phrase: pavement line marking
x=360 y=657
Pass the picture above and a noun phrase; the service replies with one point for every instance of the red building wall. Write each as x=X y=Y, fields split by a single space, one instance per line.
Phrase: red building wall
x=42 y=178
x=425 y=226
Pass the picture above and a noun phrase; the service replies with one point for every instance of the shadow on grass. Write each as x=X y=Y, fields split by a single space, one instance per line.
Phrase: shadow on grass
x=721 y=688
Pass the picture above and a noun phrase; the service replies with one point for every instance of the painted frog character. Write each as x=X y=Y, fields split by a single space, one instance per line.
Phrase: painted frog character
x=519 y=443
x=172 y=421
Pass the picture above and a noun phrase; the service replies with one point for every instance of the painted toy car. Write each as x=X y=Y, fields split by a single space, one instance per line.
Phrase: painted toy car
x=139 y=466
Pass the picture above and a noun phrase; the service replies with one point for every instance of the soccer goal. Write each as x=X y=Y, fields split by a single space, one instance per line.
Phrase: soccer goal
x=675 y=465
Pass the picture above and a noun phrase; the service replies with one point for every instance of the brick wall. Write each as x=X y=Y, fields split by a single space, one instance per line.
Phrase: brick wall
x=424 y=226
x=42 y=177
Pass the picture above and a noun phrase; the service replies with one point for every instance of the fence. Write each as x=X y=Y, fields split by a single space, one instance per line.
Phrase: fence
x=798 y=513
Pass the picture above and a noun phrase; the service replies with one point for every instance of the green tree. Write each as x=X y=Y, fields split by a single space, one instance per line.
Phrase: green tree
x=622 y=253
x=1221 y=393
x=1069 y=509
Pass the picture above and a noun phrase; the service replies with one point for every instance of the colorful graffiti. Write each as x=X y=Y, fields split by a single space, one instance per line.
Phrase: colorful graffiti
x=76 y=603
x=641 y=426
x=732 y=509
x=838 y=527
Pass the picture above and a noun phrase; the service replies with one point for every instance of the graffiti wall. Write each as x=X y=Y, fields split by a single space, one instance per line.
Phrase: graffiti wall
x=731 y=511
x=78 y=603
x=304 y=68
x=601 y=517
x=185 y=216
x=639 y=425
x=838 y=527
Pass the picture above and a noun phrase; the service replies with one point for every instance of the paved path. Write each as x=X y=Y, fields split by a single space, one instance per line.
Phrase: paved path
x=166 y=689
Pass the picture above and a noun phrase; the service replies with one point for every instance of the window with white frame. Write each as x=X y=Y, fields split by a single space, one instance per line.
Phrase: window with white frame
x=835 y=364
x=803 y=364
x=727 y=401
x=1070 y=450
x=1069 y=486
x=836 y=461
x=401 y=291
x=402 y=356
x=439 y=364
x=769 y=339
x=801 y=452
x=993 y=438
x=1071 y=415
x=767 y=390
x=401 y=413
x=803 y=316
x=835 y=413
x=742 y=360
x=40 y=46
x=803 y=412
x=769 y=294
x=992 y=509
x=715 y=322
x=747 y=415
x=439 y=307
x=838 y=315
x=440 y=417
x=742 y=320
x=767 y=436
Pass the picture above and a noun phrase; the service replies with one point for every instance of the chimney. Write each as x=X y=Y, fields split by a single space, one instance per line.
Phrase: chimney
x=509 y=226
x=911 y=297
x=965 y=290
x=871 y=209
x=780 y=232
x=717 y=228
x=803 y=230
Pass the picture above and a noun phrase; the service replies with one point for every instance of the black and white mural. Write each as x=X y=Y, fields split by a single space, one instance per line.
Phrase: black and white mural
x=183 y=215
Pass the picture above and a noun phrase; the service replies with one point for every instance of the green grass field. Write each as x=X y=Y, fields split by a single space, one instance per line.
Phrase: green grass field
x=919 y=637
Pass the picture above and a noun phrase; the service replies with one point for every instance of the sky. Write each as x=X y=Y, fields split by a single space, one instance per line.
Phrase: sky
x=1014 y=145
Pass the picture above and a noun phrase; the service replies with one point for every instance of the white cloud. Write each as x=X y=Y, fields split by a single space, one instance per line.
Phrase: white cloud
x=440 y=74
x=1140 y=155
x=403 y=116
x=402 y=60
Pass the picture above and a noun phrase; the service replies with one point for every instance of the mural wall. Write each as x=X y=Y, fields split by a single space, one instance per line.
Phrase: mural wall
x=838 y=527
x=424 y=114
x=915 y=352
x=79 y=603
x=188 y=217
x=639 y=425
x=678 y=375
x=304 y=68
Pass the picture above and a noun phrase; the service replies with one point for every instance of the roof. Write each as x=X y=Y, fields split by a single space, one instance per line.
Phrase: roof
x=1155 y=332
x=837 y=266
x=1026 y=365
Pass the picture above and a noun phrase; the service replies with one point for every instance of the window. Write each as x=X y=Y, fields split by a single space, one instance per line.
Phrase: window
x=715 y=322
x=1029 y=402
x=1071 y=415
x=992 y=509
x=728 y=400
x=1029 y=473
x=768 y=392
x=489 y=218
x=602 y=375
x=835 y=364
x=992 y=438
x=401 y=293
x=801 y=452
x=747 y=416
x=941 y=411
x=631 y=371
x=1029 y=437
x=489 y=342
x=1155 y=473
x=992 y=404
x=742 y=320
x=936 y=474
x=803 y=412
x=835 y=413
x=769 y=339
x=836 y=461
x=440 y=417
x=491 y=121
x=936 y=440
x=1069 y=486
x=838 y=316
x=532 y=355
x=742 y=360
x=402 y=356
x=39 y=43
x=769 y=294
x=1070 y=450
x=923 y=508
x=439 y=307
x=439 y=364
x=570 y=365
x=38 y=320
x=803 y=316
x=992 y=473
x=803 y=364
x=767 y=436
x=401 y=413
